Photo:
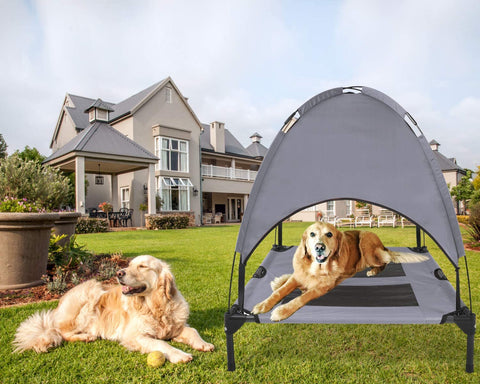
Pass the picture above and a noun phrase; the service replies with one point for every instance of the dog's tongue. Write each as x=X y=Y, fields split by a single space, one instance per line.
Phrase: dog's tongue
x=126 y=289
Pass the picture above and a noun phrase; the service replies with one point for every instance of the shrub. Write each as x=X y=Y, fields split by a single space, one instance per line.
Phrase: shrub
x=12 y=204
x=474 y=222
x=42 y=185
x=167 y=222
x=91 y=225
x=68 y=255
x=463 y=219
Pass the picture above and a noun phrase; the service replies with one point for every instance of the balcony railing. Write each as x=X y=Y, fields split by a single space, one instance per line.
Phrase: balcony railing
x=228 y=173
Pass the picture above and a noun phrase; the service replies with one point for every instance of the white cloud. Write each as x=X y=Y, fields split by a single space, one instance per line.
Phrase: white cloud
x=247 y=63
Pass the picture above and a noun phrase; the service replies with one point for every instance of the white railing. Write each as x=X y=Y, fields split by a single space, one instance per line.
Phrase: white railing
x=228 y=173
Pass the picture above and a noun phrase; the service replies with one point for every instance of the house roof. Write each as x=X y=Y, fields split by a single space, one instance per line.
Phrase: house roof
x=101 y=138
x=130 y=104
x=447 y=164
x=257 y=149
x=100 y=104
x=232 y=145
x=124 y=108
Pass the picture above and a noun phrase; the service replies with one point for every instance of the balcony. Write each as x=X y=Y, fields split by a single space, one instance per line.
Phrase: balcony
x=228 y=173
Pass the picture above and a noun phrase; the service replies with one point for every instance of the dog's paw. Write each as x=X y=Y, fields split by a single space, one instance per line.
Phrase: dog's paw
x=204 y=347
x=179 y=357
x=260 y=308
x=279 y=313
x=371 y=273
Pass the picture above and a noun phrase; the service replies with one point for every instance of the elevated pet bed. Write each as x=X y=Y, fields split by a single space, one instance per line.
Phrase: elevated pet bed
x=358 y=144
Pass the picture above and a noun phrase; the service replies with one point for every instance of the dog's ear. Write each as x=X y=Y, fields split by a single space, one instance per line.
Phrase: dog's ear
x=302 y=247
x=169 y=284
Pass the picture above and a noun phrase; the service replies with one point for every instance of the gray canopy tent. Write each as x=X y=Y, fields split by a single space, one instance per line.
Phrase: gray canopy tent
x=354 y=143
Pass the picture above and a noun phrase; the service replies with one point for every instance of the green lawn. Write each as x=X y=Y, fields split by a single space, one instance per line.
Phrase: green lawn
x=281 y=353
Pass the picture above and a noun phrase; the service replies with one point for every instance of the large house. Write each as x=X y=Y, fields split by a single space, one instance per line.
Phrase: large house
x=152 y=150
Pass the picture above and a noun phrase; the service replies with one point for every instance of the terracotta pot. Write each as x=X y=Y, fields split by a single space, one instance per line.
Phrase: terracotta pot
x=65 y=225
x=24 y=240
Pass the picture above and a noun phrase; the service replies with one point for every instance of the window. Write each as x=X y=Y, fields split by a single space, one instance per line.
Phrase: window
x=168 y=95
x=125 y=197
x=175 y=193
x=331 y=208
x=349 y=205
x=173 y=154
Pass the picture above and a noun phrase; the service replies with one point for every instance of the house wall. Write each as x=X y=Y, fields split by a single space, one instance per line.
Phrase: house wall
x=159 y=118
x=66 y=132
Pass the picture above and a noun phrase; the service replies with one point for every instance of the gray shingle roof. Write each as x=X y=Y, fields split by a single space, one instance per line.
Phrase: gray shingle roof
x=232 y=145
x=127 y=105
x=100 y=104
x=103 y=139
x=257 y=149
x=447 y=164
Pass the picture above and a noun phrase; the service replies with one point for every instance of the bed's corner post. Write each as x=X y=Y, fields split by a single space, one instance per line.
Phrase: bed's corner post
x=234 y=320
x=466 y=321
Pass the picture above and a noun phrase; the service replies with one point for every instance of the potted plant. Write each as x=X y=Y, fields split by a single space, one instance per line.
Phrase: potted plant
x=29 y=192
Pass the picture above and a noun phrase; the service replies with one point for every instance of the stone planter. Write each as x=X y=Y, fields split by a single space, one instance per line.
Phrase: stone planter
x=24 y=240
x=65 y=225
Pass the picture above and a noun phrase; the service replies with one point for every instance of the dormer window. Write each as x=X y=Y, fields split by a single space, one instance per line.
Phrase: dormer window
x=98 y=111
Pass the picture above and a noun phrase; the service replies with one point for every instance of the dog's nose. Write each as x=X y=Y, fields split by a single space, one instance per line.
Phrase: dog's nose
x=320 y=247
x=120 y=273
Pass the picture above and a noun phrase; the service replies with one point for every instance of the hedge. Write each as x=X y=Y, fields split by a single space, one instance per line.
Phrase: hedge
x=90 y=225
x=167 y=222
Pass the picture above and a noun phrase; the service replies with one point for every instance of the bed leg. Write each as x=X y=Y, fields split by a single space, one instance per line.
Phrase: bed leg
x=470 y=346
x=234 y=319
x=230 y=353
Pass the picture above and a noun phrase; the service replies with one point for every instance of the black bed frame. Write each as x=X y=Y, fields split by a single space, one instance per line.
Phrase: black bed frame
x=237 y=315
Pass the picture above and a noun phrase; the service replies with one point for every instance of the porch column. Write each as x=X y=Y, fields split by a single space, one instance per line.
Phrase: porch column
x=245 y=201
x=80 y=184
x=114 y=192
x=151 y=189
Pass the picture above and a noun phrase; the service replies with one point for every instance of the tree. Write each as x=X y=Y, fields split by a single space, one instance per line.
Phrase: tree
x=464 y=190
x=3 y=147
x=30 y=154
x=476 y=180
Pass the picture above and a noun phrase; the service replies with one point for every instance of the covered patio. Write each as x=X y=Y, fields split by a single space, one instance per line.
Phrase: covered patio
x=102 y=147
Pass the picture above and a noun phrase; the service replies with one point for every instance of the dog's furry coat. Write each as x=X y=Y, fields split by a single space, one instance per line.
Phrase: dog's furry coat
x=325 y=258
x=140 y=313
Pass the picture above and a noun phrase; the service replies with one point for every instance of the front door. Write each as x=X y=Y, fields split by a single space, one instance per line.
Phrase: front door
x=235 y=206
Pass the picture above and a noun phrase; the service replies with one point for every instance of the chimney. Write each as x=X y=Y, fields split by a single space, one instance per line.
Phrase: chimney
x=256 y=138
x=217 y=136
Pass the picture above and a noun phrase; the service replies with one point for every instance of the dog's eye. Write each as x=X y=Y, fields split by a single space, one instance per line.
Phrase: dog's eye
x=312 y=234
x=329 y=234
x=142 y=266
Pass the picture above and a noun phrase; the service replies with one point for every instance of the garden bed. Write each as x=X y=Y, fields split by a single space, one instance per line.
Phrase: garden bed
x=101 y=267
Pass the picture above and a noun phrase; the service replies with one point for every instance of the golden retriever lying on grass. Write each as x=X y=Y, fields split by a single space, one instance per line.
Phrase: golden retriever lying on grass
x=324 y=258
x=140 y=313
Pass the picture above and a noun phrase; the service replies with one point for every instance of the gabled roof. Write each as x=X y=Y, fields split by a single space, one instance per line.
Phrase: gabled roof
x=126 y=107
x=447 y=164
x=101 y=138
x=232 y=145
x=132 y=103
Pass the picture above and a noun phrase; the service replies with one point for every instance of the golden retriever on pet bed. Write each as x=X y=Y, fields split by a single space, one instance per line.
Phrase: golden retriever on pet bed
x=324 y=258
x=141 y=312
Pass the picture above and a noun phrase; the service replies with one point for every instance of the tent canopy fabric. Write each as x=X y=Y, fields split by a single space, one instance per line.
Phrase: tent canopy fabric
x=351 y=143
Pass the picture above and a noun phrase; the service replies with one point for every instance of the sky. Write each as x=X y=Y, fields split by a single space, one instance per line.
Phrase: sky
x=248 y=63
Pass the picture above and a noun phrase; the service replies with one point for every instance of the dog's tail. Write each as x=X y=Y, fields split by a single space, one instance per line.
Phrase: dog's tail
x=279 y=281
x=406 y=257
x=38 y=332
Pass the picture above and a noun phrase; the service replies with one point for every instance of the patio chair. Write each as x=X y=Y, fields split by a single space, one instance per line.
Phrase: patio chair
x=363 y=217
x=386 y=217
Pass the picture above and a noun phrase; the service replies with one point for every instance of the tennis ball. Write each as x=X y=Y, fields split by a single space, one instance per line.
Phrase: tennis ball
x=155 y=359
